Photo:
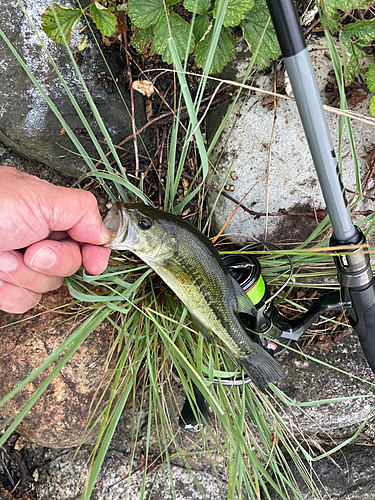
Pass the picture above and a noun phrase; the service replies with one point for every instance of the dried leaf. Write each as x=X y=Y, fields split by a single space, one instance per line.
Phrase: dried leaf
x=83 y=44
x=107 y=41
x=370 y=155
x=268 y=101
x=356 y=98
x=20 y=443
x=120 y=29
x=144 y=87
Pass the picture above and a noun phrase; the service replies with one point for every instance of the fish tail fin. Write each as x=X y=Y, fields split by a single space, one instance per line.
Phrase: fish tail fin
x=261 y=367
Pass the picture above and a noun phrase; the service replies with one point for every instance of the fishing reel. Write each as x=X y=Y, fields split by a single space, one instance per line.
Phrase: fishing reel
x=266 y=326
x=270 y=328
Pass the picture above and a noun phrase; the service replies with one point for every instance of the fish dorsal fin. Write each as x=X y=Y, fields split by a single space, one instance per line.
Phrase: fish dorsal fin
x=244 y=304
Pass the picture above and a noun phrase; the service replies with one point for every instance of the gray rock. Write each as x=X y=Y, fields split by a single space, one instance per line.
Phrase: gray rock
x=27 y=125
x=349 y=475
x=66 y=476
x=293 y=184
x=344 y=374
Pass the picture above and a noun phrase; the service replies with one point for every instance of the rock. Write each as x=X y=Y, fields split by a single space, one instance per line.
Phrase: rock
x=292 y=185
x=27 y=125
x=349 y=475
x=309 y=380
x=59 y=417
x=65 y=480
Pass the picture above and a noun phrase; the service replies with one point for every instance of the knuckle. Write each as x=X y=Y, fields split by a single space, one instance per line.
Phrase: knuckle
x=90 y=199
x=43 y=283
x=55 y=284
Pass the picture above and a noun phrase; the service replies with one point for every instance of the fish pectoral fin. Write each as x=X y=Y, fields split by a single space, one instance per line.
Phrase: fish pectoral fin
x=206 y=332
x=244 y=303
x=177 y=271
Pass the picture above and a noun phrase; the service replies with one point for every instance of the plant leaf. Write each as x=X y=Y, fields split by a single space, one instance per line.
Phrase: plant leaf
x=223 y=53
x=236 y=11
x=142 y=38
x=372 y=105
x=105 y=20
x=252 y=27
x=330 y=7
x=330 y=18
x=180 y=31
x=364 y=34
x=370 y=78
x=201 y=24
x=67 y=19
x=197 y=6
x=144 y=13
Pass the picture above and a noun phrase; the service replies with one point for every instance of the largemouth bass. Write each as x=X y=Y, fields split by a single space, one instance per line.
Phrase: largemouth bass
x=191 y=266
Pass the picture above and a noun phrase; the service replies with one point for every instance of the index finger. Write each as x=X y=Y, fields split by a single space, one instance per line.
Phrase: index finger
x=76 y=212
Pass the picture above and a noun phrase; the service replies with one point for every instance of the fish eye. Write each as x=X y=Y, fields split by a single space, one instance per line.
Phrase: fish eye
x=144 y=223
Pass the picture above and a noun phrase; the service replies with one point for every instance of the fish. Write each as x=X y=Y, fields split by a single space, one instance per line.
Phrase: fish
x=190 y=265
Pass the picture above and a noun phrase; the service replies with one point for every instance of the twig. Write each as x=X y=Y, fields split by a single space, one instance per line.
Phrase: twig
x=353 y=115
x=131 y=104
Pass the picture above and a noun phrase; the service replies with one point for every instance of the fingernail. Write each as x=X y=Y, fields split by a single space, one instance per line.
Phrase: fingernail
x=105 y=233
x=44 y=259
x=8 y=262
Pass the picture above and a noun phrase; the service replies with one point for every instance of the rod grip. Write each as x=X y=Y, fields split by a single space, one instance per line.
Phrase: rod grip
x=362 y=319
x=188 y=420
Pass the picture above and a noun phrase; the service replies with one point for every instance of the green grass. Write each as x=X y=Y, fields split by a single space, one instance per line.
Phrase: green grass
x=247 y=431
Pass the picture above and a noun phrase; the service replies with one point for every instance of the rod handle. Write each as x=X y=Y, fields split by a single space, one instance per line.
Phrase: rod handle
x=188 y=420
x=362 y=319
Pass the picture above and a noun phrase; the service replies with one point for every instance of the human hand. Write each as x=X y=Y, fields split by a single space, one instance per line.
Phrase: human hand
x=60 y=228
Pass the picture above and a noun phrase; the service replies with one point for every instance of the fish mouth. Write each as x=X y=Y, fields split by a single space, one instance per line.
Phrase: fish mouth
x=117 y=222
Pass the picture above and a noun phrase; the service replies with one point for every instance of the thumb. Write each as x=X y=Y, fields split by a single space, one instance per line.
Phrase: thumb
x=31 y=208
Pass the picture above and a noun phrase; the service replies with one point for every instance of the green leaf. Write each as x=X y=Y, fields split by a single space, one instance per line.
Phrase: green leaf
x=105 y=20
x=142 y=38
x=330 y=16
x=200 y=27
x=253 y=26
x=180 y=31
x=372 y=105
x=370 y=78
x=329 y=7
x=236 y=11
x=144 y=13
x=67 y=19
x=353 y=37
x=224 y=51
x=197 y=6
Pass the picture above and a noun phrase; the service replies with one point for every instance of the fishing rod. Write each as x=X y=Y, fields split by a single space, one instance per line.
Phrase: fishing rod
x=353 y=266
x=357 y=290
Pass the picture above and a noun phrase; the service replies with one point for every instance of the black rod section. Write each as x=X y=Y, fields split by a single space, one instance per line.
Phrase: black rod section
x=287 y=26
